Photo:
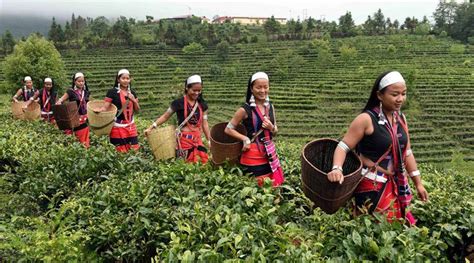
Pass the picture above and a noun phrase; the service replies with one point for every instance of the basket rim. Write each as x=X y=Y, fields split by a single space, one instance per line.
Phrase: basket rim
x=114 y=108
x=224 y=143
x=334 y=140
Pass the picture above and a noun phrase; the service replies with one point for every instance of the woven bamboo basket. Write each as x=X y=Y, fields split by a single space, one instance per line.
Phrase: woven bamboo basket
x=316 y=163
x=66 y=115
x=17 y=110
x=100 y=123
x=162 y=142
x=225 y=148
x=33 y=111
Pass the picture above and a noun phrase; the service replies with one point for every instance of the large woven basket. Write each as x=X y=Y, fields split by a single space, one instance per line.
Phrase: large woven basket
x=17 y=110
x=100 y=123
x=33 y=111
x=66 y=115
x=163 y=142
x=316 y=163
x=225 y=148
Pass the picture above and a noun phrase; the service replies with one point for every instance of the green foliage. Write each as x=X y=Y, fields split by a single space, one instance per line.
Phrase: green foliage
x=423 y=29
x=348 y=52
x=286 y=64
x=222 y=50
x=127 y=207
x=35 y=57
x=8 y=42
x=215 y=71
x=457 y=49
x=193 y=49
x=391 y=49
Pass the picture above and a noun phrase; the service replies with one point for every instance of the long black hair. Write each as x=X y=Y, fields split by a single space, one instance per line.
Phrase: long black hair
x=249 y=90
x=187 y=86
x=74 y=83
x=373 y=99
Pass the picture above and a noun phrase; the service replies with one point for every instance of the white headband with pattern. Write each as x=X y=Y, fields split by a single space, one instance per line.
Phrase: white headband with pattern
x=78 y=75
x=193 y=79
x=259 y=75
x=391 y=78
x=123 y=71
x=27 y=78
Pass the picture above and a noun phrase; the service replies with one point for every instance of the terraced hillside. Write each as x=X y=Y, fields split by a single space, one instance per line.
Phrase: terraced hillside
x=315 y=97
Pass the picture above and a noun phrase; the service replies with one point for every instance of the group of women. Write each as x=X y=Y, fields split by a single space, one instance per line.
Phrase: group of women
x=379 y=134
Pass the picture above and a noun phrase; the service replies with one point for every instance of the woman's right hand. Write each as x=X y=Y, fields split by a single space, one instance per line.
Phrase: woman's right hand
x=148 y=131
x=336 y=176
x=246 y=146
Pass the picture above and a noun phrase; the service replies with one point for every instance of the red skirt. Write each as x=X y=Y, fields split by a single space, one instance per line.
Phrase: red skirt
x=81 y=132
x=192 y=142
x=255 y=161
x=124 y=138
x=388 y=202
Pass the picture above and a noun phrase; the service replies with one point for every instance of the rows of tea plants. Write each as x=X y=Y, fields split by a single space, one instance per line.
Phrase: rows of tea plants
x=315 y=96
x=61 y=202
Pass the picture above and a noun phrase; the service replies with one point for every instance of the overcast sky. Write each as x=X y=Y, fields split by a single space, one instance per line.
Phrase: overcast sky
x=328 y=9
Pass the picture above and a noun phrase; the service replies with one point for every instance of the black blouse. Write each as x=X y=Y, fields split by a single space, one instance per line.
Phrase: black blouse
x=178 y=107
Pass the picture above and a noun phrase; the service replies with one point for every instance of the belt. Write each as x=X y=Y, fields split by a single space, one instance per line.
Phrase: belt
x=188 y=136
x=120 y=125
x=46 y=113
x=373 y=176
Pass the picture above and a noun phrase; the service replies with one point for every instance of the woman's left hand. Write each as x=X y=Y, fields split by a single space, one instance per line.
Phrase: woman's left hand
x=422 y=193
x=267 y=124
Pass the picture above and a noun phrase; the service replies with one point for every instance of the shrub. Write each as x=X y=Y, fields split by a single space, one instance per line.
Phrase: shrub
x=35 y=57
x=193 y=49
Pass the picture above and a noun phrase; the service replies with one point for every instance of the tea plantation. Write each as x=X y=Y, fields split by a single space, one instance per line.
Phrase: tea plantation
x=61 y=202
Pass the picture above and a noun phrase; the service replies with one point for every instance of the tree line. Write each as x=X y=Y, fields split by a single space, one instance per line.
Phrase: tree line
x=451 y=19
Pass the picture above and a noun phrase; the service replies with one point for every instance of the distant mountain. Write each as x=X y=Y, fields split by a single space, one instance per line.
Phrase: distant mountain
x=23 y=25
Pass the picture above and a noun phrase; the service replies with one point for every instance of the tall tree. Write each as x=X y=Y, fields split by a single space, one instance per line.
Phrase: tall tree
x=8 y=42
x=444 y=15
x=379 y=22
x=347 y=25
x=271 y=26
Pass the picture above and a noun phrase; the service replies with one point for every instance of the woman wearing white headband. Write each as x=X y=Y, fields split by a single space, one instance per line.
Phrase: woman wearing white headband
x=380 y=135
x=47 y=96
x=259 y=155
x=28 y=93
x=124 y=132
x=79 y=92
x=191 y=110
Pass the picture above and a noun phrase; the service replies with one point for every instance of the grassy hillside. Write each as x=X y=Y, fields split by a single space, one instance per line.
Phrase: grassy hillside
x=314 y=96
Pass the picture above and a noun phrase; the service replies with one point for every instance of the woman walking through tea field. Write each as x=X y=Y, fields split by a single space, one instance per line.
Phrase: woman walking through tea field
x=380 y=136
x=191 y=110
x=259 y=155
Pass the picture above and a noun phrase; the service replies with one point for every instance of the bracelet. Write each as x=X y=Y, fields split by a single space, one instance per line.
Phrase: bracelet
x=343 y=146
x=246 y=141
x=230 y=126
x=337 y=167
x=409 y=152
x=415 y=173
x=154 y=125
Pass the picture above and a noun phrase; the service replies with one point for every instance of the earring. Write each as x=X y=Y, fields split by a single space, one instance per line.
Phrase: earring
x=382 y=119
x=267 y=101
x=252 y=101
